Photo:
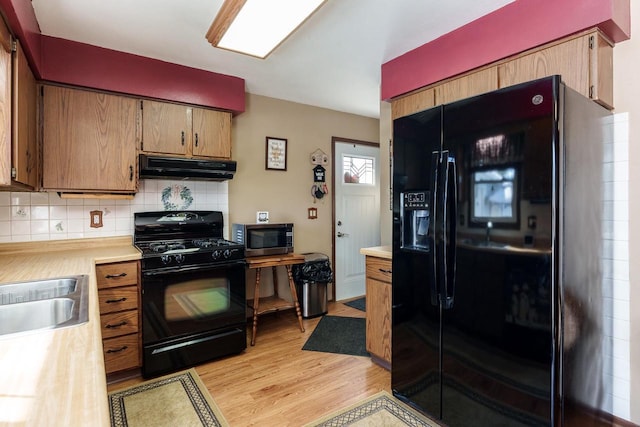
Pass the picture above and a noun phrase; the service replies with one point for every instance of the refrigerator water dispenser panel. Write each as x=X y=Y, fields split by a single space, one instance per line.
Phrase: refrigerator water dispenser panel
x=415 y=219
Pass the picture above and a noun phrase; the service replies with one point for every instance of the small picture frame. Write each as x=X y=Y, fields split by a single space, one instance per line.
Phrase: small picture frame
x=276 y=154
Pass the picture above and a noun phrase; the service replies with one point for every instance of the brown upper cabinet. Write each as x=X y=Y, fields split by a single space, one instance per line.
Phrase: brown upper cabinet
x=412 y=103
x=5 y=105
x=89 y=141
x=183 y=130
x=585 y=63
x=584 y=60
x=25 y=122
x=19 y=163
x=481 y=81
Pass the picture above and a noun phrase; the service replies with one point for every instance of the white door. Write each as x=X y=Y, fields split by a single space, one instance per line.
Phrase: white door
x=357 y=219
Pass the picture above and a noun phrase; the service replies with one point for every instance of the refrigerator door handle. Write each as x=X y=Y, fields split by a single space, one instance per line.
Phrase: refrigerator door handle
x=434 y=292
x=449 y=224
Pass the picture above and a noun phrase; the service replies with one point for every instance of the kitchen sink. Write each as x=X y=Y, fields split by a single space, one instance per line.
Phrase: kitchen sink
x=43 y=304
x=35 y=290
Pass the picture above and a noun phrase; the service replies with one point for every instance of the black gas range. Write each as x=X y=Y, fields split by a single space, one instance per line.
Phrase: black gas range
x=183 y=239
x=193 y=290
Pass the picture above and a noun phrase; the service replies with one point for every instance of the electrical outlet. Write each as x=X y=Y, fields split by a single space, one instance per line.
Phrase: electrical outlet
x=96 y=219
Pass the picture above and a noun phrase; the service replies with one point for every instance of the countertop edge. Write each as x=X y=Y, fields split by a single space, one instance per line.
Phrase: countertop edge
x=78 y=376
x=378 y=251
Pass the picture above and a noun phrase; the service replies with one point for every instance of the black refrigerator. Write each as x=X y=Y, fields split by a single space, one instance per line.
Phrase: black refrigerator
x=498 y=316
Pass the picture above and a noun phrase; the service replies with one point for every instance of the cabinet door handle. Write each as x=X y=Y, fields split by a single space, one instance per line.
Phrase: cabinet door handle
x=112 y=301
x=124 y=347
x=130 y=173
x=115 y=276
x=117 y=325
x=182 y=137
x=385 y=271
x=196 y=139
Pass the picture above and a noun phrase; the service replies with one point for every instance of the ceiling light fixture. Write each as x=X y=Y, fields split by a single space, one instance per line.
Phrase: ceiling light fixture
x=257 y=27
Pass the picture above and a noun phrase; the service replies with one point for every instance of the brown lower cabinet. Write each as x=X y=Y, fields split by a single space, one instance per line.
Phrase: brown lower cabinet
x=378 y=303
x=118 y=295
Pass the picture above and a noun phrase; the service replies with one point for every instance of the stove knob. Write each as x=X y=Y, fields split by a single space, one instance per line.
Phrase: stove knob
x=179 y=258
x=216 y=254
x=227 y=253
x=166 y=259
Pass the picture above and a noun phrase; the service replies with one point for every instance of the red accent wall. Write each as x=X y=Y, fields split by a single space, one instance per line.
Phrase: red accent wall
x=70 y=62
x=514 y=28
x=73 y=63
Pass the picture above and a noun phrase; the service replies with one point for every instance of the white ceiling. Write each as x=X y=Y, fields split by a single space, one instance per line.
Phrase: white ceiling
x=332 y=61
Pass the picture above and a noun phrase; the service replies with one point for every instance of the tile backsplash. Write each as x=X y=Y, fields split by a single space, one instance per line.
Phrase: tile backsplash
x=28 y=216
x=615 y=270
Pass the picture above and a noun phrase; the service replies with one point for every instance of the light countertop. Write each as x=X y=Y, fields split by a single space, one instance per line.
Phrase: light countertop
x=377 y=251
x=57 y=377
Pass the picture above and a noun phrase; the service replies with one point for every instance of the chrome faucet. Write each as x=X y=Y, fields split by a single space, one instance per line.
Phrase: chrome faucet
x=488 y=236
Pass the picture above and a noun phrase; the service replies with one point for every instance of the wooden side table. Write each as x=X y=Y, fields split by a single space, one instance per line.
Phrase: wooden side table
x=273 y=303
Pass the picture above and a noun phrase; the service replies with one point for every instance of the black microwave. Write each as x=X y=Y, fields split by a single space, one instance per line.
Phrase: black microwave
x=264 y=239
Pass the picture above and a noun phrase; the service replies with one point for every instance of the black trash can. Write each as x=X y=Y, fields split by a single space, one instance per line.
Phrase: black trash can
x=311 y=280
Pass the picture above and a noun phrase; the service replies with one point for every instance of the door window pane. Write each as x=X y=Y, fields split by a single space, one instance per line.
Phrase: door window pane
x=357 y=170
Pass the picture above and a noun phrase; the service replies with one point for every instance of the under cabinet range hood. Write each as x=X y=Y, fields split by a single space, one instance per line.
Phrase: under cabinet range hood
x=159 y=167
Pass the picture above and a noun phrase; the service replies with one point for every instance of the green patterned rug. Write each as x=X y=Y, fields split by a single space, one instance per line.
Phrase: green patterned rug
x=381 y=409
x=177 y=399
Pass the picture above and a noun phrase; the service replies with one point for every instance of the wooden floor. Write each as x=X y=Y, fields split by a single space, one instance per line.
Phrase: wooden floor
x=276 y=383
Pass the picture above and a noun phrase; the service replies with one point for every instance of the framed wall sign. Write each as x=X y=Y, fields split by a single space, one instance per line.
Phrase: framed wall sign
x=276 y=156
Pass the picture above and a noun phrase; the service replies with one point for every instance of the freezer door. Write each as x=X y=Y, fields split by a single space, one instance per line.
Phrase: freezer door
x=497 y=340
x=415 y=296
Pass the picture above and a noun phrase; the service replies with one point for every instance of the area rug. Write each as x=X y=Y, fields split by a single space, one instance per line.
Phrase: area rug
x=360 y=304
x=176 y=399
x=338 y=334
x=381 y=409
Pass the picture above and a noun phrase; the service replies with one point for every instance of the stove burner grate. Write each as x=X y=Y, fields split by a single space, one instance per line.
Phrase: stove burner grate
x=166 y=246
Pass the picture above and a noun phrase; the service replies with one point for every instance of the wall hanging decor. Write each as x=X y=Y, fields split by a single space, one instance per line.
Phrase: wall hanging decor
x=175 y=197
x=319 y=174
x=318 y=191
x=276 y=154
x=318 y=157
x=319 y=188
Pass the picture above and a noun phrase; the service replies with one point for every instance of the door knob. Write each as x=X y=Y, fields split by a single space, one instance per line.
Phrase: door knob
x=342 y=234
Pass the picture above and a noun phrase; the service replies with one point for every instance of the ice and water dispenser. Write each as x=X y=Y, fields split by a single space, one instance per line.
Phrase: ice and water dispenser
x=415 y=217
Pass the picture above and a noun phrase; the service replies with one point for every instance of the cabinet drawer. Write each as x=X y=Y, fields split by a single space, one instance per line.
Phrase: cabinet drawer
x=117 y=274
x=116 y=324
x=379 y=269
x=118 y=299
x=121 y=353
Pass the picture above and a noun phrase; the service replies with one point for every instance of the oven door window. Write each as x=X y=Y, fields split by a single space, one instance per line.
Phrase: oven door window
x=186 y=302
x=196 y=299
